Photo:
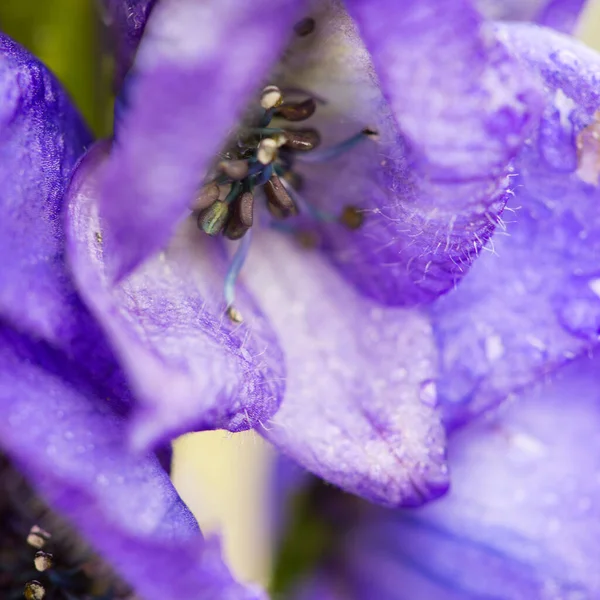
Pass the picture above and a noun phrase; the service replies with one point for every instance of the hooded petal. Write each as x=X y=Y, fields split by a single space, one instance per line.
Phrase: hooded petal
x=359 y=405
x=198 y=65
x=522 y=519
x=558 y=14
x=532 y=302
x=127 y=20
x=420 y=232
x=191 y=367
x=66 y=439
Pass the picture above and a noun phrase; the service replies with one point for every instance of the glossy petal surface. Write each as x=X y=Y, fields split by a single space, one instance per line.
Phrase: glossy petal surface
x=420 y=234
x=41 y=138
x=197 y=68
x=522 y=519
x=532 y=302
x=359 y=403
x=558 y=14
x=71 y=445
x=190 y=366
x=126 y=20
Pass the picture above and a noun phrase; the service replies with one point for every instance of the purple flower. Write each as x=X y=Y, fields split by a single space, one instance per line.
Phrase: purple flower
x=340 y=333
x=64 y=402
x=451 y=204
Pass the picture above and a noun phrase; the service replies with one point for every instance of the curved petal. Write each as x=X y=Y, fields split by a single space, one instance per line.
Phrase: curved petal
x=127 y=20
x=41 y=138
x=191 y=367
x=359 y=405
x=522 y=519
x=197 y=67
x=420 y=234
x=561 y=15
x=467 y=110
x=532 y=302
x=64 y=436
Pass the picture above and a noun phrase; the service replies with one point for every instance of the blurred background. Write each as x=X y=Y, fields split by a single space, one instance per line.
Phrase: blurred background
x=222 y=477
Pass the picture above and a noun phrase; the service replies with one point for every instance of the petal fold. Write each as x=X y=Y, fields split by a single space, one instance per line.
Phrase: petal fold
x=69 y=443
x=197 y=68
x=531 y=302
x=522 y=518
x=190 y=366
x=359 y=409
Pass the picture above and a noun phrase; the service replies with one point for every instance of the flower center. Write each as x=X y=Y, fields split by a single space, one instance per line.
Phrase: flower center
x=261 y=162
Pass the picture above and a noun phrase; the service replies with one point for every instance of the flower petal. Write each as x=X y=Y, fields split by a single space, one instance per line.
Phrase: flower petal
x=64 y=436
x=126 y=19
x=199 y=63
x=359 y=404
x=420 y=233
x=41 y=138
x=558 y=14
x=522 y=519
x=189 y=365
x=532 y=303
x=467 y=110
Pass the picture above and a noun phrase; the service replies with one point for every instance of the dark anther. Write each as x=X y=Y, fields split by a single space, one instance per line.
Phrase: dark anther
x=279 y=202
x=207 y=196
x=298 y=111
x=302 y=140
x=352 y=217
x=234 y=169
x=242 y=217
x=305 y=27
x=212 y=219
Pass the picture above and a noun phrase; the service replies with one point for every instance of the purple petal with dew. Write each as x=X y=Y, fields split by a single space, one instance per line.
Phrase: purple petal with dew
x=66 y=439
x=190 y=366
x=522 y=519
x=41 y=138
x=561 y=15
x=419 y=234
x=126 y=20
x=359 y=408
x=531 y=302
x=197 y=68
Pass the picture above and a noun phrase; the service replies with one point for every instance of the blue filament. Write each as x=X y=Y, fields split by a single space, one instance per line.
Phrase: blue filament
x=325 y=154
x=237 y=262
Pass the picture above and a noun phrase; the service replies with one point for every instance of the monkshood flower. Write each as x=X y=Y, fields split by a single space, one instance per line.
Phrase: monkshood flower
x=398 y=161
x=64 y=403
